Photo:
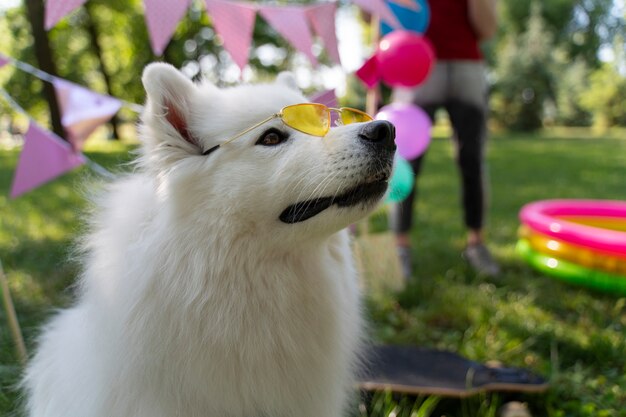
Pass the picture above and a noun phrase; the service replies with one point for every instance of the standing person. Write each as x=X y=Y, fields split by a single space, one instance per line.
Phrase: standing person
x=457 y=83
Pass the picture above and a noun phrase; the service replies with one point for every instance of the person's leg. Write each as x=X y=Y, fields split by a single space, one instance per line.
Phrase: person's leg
x=429 y=96
x=468 y=123
x=401 y=214
x=469 y=136
x=401 y=221
x=468 y=114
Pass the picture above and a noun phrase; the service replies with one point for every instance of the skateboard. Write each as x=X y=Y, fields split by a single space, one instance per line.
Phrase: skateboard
x=422 y=371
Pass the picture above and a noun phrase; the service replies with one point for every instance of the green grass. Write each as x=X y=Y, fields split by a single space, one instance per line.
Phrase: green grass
x=574 y=336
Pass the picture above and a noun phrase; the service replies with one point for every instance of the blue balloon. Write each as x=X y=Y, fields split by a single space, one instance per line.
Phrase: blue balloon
x=414 y=20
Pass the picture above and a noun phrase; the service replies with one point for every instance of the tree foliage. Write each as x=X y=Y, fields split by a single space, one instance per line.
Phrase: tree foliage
x=544 y=56
x=573 y=81
x=578 y=26
x=605 y=97
x=524 y=79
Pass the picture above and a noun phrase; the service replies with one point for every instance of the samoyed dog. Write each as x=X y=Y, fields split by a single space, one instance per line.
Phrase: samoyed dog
x=218 y=279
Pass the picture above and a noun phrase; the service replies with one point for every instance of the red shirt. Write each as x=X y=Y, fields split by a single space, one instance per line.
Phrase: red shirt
x=451 y=32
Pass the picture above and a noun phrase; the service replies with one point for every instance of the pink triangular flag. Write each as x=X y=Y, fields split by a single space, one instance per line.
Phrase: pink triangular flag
x=322 y=20
x=327 y=98
x=291 y=23
x=83 y=110
x=369 y=72
x=379 y=8
x=162 y=17
x=3 y=60
x=234 y=23
x=58 y=9
x=44 y=157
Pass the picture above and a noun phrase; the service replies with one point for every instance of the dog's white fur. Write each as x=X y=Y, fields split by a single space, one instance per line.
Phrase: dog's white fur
x=195 y=299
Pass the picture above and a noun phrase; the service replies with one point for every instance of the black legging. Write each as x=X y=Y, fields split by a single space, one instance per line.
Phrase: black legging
x=468 y=122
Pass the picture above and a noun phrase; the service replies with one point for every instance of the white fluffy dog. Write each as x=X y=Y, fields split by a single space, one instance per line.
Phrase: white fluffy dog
x=218 y=285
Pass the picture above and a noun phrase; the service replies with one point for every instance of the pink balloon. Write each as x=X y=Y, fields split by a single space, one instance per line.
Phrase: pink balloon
x=412 y=128
x=405 y=58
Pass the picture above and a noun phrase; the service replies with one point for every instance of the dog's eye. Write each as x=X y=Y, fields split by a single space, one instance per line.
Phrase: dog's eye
x=272 y=137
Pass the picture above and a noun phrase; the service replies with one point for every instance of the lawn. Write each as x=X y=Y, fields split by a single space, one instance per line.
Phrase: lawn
x=573 y=336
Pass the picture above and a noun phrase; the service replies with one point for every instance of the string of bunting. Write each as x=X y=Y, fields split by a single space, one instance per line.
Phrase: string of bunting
x=44 y=156
x=82 y=109
x=234 y=22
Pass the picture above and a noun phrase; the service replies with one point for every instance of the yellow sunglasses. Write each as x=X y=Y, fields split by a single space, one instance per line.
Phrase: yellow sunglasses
x=310 y=118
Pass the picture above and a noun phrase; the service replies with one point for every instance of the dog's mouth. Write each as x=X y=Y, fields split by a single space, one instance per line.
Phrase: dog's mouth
x=371 y=190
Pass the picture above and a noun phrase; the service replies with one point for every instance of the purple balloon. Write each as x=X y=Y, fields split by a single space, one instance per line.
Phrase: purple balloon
x=412 y=128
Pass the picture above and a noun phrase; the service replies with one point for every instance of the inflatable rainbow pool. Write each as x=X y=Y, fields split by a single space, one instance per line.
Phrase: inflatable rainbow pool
x=579 y=241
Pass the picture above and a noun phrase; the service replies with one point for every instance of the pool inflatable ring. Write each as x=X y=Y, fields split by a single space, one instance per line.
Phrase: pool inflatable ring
x=571 y=272
x=572 y=253
x=550 y=217
x=580 y=241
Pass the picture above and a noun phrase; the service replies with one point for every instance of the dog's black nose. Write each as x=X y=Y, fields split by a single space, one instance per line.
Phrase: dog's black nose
x=380 y=133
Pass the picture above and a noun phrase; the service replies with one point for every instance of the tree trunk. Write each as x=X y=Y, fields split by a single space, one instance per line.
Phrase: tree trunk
x=97 y=49
x=35 y=10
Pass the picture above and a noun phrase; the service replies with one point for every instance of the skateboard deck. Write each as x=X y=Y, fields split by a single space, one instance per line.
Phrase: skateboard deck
x=417 y=371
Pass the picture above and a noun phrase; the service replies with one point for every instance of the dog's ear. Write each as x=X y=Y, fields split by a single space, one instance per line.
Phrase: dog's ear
x=169 y=93
x=286 y=78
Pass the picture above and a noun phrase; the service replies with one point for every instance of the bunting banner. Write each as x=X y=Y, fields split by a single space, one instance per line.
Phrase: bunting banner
x=291 y=22
x=234 y=23
x=58 y=9
x=44 y=157
x=328 y=98
x=379 y=8
x=322 y=20
x=162 y=17
x=83 y=110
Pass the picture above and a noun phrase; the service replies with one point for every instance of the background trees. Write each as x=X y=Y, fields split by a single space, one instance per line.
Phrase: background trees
x=546 y=56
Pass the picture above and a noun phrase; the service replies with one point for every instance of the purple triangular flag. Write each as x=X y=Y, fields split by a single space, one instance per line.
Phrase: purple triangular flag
x=327 y=98
x=57 y=9
x=322 y=18
x=83 y=110
x=44 y=157
x=291 y=22
x=162 y=17
x=234 y=22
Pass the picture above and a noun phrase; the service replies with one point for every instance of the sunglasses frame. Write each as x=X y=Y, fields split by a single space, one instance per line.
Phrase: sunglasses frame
x=280 y=115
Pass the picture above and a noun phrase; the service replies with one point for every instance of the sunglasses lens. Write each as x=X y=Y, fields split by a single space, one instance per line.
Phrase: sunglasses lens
x=349 y=116
x=310 y=118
